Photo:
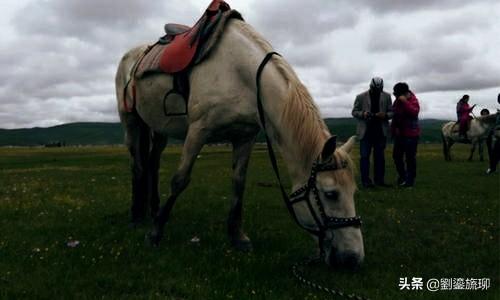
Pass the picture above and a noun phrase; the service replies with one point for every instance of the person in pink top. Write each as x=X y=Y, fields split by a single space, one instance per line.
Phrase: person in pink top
x=463 y=115
x=405 y=132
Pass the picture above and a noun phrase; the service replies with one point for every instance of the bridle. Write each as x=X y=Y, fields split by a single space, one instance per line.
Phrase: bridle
x=323 y=222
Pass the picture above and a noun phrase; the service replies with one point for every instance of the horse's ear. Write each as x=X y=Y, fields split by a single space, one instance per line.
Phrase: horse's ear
x=347 y=147
x=329 y=148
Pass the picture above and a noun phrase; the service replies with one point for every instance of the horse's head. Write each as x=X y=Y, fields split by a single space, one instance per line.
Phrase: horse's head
x=327 y=208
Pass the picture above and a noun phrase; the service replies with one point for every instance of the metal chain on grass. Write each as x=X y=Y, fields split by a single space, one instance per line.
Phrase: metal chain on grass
x=300 y=277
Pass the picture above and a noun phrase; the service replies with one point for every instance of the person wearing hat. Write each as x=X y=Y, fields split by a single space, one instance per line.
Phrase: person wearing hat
x=373 y=109
x=493 y=143
x=405 y=132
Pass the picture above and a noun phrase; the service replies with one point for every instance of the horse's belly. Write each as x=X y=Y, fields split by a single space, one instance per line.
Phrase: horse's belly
x=162 y=111
x=234 y=131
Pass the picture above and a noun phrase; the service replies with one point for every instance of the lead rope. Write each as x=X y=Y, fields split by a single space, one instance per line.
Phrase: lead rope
x=299 y=275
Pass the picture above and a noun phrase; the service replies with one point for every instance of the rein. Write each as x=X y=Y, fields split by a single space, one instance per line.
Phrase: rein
x=300 y=277
x=323 y=222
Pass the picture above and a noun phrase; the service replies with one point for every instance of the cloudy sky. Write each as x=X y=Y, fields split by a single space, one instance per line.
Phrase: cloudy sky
x=58 y=57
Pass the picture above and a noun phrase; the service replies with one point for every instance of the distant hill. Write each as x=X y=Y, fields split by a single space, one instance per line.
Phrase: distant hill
x=69 y=134
x=112 y=133
x=345 y=127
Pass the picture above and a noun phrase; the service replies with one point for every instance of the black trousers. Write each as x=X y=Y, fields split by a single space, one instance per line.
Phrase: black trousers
x=405 y=149
x=493 y=145
x=378 y=145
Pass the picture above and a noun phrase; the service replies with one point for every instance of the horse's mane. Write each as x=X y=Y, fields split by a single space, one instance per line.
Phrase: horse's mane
x=300 y=114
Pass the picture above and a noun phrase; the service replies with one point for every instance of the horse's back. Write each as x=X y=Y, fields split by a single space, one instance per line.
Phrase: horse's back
x=447 y=128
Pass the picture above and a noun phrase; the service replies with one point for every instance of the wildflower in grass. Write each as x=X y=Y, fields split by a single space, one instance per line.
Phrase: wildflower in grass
x=73 y=244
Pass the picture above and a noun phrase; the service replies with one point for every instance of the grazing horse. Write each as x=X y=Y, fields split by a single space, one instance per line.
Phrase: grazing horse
x=222 y=106
x=476 y=135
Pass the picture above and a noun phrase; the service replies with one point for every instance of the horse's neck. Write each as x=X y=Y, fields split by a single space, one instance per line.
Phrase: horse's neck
x=482 y=125
x=298 y=154
x=275 y=91
x=292 y=150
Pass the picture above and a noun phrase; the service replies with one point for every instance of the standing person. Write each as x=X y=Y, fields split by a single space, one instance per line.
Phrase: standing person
x=373 y=109
x=463 y=115
x=493 y=143
x=406 y=132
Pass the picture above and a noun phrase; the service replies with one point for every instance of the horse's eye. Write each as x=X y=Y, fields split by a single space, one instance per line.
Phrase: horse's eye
x=332 y=195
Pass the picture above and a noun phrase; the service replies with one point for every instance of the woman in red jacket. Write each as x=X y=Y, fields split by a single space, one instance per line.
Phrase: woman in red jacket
x=405 y=132
x=463 y=115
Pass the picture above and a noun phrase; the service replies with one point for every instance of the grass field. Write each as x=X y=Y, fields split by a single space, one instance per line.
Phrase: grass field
x=445 y=227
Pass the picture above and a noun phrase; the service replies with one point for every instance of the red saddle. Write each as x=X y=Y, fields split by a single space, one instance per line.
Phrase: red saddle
x=183 y=41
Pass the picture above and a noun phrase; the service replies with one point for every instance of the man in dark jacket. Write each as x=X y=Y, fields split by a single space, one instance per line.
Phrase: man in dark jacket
x=373 y=109
x=405 y=132
x=493 y=143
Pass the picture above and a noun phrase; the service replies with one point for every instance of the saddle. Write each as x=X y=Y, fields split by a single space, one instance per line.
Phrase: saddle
x=172 y=29
x=183 y=46
x=455 y=129
x=185 y=41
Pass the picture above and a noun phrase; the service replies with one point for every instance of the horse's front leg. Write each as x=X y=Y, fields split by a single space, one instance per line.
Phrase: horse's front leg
x=195 y=140
x=474 y=142
x=481 y=149
x=241 y=156
x=159 y=143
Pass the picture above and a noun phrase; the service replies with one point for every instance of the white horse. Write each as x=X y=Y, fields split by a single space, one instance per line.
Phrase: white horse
x=476 y=135
x=222 y=106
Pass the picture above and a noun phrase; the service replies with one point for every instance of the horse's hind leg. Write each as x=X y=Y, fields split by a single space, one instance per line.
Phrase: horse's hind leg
x=193 y=144
x=137 y=141
x=445 y=148
x=159 y=143
x=241 y=156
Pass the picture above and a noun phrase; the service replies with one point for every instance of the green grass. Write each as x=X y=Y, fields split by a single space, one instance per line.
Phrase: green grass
x=445 y=227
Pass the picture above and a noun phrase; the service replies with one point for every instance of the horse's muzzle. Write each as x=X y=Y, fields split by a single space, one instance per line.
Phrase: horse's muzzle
x=346 y=260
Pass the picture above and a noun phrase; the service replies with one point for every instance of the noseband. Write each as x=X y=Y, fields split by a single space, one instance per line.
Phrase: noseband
x=323 y=221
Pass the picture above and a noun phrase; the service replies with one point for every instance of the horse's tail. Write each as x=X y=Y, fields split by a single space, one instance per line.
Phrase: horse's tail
x=123 y=78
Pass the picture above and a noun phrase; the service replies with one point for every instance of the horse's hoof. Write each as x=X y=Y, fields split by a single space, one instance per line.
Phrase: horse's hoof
x=242 y=245
x=135 y=224
x=153 y=238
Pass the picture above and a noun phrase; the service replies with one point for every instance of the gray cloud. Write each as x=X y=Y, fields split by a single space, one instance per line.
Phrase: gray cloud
x=405 y=7
x=59 y=61
x=296 y=23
